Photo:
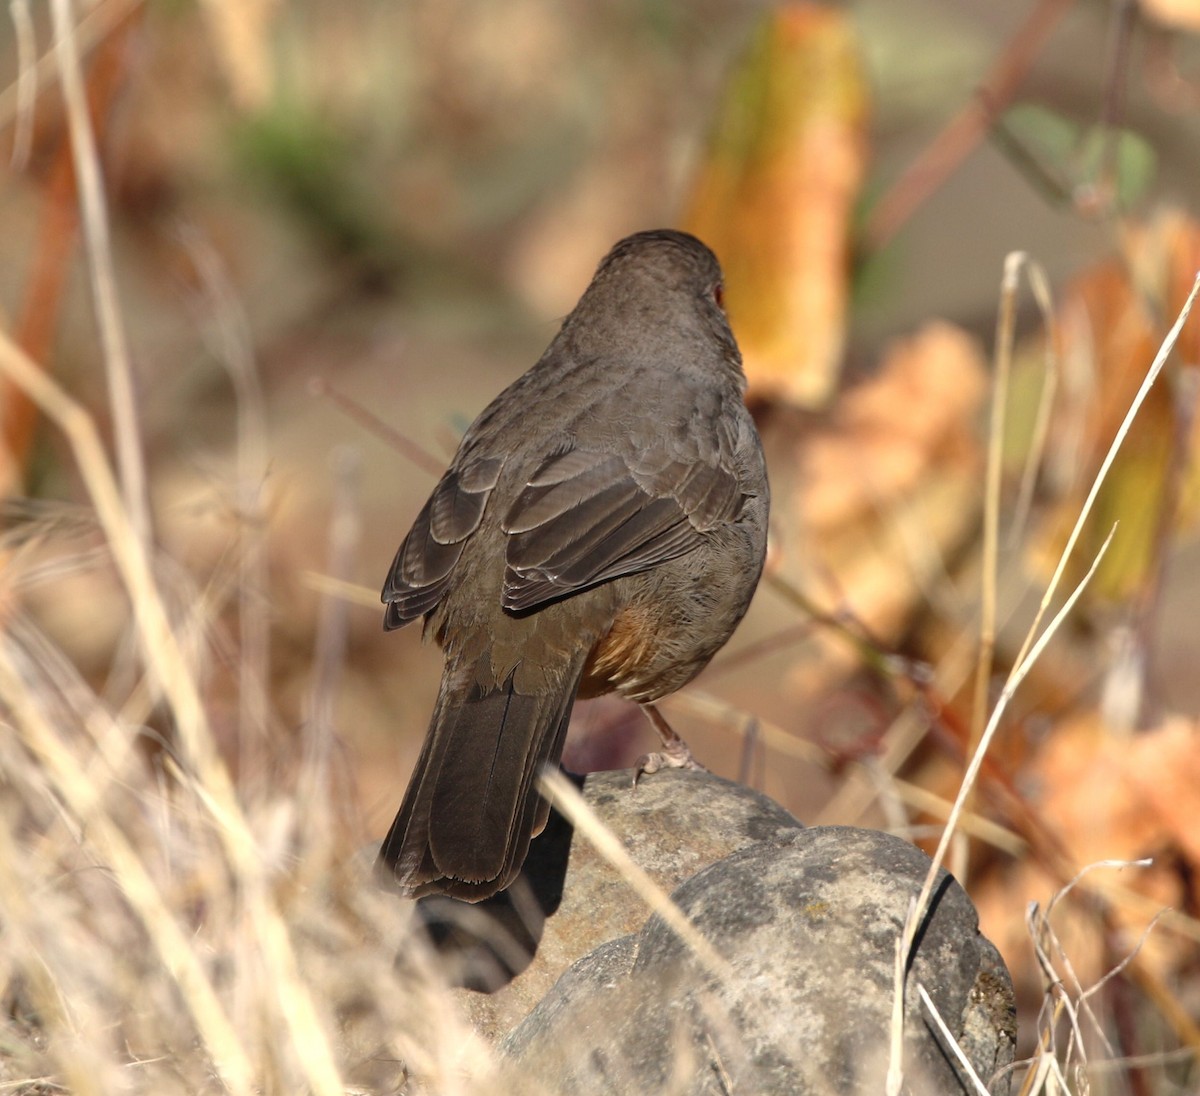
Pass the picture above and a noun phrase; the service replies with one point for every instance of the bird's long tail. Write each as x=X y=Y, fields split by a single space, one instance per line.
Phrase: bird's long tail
x=472 y=805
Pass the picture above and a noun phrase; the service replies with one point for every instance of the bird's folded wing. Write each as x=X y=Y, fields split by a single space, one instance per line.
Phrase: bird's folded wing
x=421 y=569
x=584 y=518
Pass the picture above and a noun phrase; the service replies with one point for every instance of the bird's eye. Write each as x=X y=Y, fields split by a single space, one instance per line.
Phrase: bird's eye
x=718 y=296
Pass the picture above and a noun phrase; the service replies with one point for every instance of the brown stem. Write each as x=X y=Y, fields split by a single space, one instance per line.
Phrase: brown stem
x=946 y=152
x=57 y=235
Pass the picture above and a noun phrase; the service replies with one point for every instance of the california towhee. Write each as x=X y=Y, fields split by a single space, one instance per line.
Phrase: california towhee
x=602 y=527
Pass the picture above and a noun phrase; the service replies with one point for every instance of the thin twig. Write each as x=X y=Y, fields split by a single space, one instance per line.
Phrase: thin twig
x=355 y=593
x=122 y=401
x=404 y=445
x=1104 y=190
x=943 y=156
x=1110 y=974
x=1080 y=996
x=1042 y=936
x=92 y=28
x=26 y=85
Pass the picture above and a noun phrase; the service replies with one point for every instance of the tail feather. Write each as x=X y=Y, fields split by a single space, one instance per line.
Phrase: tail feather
x=472 y=805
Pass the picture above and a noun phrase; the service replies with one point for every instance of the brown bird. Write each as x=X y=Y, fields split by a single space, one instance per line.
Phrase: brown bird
x=602 y=527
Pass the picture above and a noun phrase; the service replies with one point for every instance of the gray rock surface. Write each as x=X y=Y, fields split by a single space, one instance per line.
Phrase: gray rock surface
x=673 y=824
x=807 y=920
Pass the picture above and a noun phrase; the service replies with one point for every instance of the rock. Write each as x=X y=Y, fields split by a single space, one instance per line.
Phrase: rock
x=806 y=919
x=673 y=824
x=808 y=925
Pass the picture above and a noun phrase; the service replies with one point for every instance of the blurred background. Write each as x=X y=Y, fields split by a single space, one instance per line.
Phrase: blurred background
x=338 y=229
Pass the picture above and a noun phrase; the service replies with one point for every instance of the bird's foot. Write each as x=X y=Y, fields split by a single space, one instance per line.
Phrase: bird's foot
x=674 y=753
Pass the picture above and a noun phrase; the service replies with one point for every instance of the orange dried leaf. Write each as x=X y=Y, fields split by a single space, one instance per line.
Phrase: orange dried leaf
x=914 y=418
x=775 y=194
x=1182 y=14
x=874 y=502
x=1102 y=798
x=241 y=30
x=1120 y=797
x=1124 y=798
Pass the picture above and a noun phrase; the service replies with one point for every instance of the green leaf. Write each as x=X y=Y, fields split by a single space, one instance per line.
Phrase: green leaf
x=1062 y=158
x=1129 y=153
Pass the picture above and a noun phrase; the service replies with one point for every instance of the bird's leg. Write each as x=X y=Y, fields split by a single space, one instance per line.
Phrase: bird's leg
x=674 y=754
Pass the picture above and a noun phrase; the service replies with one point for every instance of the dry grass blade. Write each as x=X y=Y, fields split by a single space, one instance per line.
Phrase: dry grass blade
x=1065 y=996
x=737 y=721
x=119 y=370
x=1082 y=996
x=895 y=1073
x=1005 y=332
x=978 y=826
x=134 y=959
x=569 y=803
x=990 y=567
x=164 y=656
x=26 y=85
x=1035 y=643
x=1124 y=963
x=93 y=26
x=1083 y=872
x=353 y=593
x=129 y=553
x=1018 y=675
x=1039 y=285
x=1152 y=374
x=293 y=995
x=978 y=1085
x=1014 y=264
x=1045 y=1077
x=232 y=346
x=74 y=786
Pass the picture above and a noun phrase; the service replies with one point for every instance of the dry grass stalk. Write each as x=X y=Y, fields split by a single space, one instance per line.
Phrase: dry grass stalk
x=1035 y=642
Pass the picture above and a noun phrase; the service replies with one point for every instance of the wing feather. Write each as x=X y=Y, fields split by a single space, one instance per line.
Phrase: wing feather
x=423 y=564
x=585 y=518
